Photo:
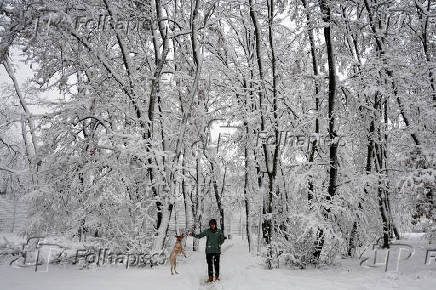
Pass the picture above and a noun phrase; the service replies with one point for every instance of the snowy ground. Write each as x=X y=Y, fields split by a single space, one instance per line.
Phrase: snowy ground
x=239 y=271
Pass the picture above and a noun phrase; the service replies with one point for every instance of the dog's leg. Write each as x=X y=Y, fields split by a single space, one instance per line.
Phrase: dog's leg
x=172 y=264
x=175 y=265
x=171 y=259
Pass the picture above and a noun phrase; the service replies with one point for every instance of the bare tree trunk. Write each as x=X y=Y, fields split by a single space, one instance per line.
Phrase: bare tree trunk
x=246 y=193
x=196 y=217
x=380 y=149
x=160 y=59
x=257 y=45
x=159 y=242
x=320 y=234
x=267 y=211
x=249 y=105
x=354 y=51
x=218 y=193
x=183 y=187
x=333 y=167
x=382 y=200
x=314 y=147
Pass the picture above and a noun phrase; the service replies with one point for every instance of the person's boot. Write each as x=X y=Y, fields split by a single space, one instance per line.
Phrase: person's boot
x=210 y=279
x=217 y=278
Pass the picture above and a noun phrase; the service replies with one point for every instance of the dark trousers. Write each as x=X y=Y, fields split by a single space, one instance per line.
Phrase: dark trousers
x=215 y=259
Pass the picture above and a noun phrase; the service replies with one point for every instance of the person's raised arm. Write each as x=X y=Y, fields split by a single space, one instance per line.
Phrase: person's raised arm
x=200 y=235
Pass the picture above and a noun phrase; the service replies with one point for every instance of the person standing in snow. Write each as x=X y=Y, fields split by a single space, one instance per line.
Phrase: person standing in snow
x=215 y=238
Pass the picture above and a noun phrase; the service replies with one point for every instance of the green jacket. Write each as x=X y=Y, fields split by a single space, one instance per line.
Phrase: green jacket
x=214 y=240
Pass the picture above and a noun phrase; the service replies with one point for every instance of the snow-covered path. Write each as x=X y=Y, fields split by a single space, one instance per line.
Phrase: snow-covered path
x=239 y=271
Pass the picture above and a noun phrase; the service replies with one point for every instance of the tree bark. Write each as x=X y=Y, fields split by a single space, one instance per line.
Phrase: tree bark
x=333 y=166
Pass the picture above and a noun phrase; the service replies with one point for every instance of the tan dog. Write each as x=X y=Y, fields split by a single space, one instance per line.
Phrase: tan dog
x=178 y=249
